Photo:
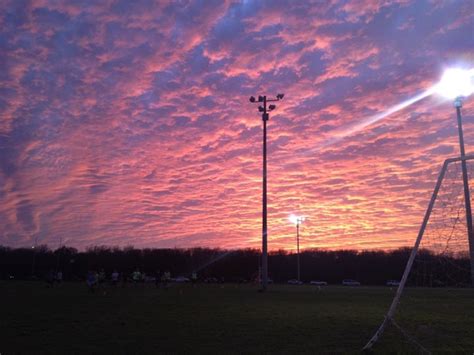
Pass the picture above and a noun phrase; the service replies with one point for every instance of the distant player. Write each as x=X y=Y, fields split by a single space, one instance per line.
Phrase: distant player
x=91 y=281
x=115 y=277
x=50 y=278
x=166 y=278
x=194 y=278
x=136 y=276
x=158 y=278
x=59 y=277
x=102 y=277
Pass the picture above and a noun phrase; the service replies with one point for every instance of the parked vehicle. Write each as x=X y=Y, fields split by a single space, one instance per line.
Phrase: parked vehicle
x=349 y=282
x=181 y=279
x=318 y=283
x=269 y=280
x=295 y=282
x=393 y=283
x=150 y=279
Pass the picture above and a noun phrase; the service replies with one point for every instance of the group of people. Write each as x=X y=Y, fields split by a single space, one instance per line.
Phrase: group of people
x=96 y=279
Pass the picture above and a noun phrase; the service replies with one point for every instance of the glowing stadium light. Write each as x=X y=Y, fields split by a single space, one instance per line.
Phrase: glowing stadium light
x=296 y=219
x=456 y=82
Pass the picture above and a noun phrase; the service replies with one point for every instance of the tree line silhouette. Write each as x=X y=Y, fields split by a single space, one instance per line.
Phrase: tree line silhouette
x=368 y=267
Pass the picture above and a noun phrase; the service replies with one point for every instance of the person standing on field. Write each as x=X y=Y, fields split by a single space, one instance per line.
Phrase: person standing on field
x=166 y=278
x=136 y=276
x=91 y=280
x=158 y=278
x=115 y=277
x=59 y=277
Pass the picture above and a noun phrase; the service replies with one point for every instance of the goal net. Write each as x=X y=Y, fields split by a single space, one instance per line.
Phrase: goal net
x=434 y=301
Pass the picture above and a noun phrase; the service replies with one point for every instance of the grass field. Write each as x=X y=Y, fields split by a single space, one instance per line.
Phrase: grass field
x=226 y=319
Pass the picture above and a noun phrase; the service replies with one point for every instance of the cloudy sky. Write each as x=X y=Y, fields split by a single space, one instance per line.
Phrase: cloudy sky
x=128 y=122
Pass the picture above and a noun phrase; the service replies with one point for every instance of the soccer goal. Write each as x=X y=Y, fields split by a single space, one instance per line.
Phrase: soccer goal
x=443 y=254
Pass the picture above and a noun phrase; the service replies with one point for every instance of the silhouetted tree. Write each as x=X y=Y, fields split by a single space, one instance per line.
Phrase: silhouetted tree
x=368 y=267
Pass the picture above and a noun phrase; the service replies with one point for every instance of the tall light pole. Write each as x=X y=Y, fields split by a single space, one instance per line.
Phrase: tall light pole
x=457 y=84
x=265 y=117
x=297 y=220
x=465 y=179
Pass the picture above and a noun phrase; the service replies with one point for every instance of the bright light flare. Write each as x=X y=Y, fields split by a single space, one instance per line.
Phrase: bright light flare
x=296 y=219
x=456 y=82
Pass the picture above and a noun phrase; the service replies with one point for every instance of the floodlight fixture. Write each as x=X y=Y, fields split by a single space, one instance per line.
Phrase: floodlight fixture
x=456 y=82
x=296 y=220
x=280 y=96
x=293 y=219
x=260 y=109
x=271 y=107
x=252 y=99
x=260 y=98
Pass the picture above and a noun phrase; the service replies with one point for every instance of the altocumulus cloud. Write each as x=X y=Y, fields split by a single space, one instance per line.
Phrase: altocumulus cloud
x=126 y=122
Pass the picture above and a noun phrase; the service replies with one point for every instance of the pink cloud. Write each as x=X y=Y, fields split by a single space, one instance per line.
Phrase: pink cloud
x=125 y=123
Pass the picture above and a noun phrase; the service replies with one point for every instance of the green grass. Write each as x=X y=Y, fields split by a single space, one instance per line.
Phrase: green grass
x=226 y=319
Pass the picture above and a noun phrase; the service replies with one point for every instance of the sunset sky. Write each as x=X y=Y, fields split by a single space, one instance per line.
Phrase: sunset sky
x=128 y=122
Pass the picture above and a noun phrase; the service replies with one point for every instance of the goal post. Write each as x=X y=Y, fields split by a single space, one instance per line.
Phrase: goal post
x=393 y=307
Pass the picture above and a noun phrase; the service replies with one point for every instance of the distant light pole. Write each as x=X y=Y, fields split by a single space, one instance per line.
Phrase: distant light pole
x=297 y=220
x=58 y=257
x=265 y=117
x=457 y=84
x=33 y=263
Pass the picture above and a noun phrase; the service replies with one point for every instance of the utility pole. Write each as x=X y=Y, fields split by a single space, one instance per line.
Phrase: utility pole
x=265 y=117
